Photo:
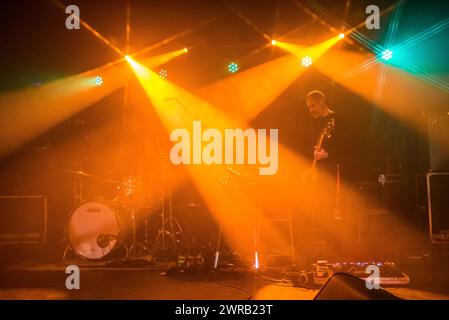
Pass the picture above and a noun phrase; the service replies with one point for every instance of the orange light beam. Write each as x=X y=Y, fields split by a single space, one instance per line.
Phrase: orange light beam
x=27 y=113
x=248 y=22
x=402 y=94
x=360 y=44
x=178 y=108
x=245 y=94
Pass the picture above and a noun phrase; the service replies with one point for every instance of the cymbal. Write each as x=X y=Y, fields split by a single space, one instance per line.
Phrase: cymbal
x=79 y=173
x=111 y=181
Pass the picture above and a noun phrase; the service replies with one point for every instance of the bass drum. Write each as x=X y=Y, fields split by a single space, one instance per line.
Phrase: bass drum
x=93 y=230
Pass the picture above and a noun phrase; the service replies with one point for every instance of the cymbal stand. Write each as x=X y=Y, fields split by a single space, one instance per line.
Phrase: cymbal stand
x=132 y=251
x=224 y=181
x=78 y=190
x=174 y=228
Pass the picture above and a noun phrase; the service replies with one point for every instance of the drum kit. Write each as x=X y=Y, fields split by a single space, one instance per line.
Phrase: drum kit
x=104 y=230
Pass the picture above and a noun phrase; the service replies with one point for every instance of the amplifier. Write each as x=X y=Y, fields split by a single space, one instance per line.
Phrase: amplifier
x=23 y=219
x=438 y=134
x=438 y=206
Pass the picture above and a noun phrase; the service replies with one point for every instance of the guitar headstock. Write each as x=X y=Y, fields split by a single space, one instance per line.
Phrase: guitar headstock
x=329 y=128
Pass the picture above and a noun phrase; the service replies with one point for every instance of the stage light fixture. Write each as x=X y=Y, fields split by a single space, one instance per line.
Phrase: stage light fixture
x=98 y=81
x=233 y=67
x=273 y=42
x=163 y=74
x=387 y=55
x=306 y=61
x=341 y=35
x=128 y=58
x=186 y=50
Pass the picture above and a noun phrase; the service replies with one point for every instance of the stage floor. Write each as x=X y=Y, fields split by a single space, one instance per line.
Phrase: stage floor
x=47 y=281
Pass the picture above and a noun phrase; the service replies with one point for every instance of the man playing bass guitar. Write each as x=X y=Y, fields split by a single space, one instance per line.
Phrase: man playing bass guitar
x=323 y=178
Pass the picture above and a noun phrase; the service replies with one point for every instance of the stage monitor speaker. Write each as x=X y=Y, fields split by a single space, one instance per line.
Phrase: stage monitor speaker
x=438 y=206
x=438 y=135
x=342 y=286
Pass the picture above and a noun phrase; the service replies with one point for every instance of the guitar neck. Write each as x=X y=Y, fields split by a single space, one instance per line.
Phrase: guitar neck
x=318 y=146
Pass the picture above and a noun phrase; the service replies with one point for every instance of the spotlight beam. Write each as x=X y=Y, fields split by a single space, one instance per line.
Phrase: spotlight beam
x=314 y=51
x=295 y=30
x=98 y=35
x=93 y=31
x=248 y=22
x=254 y=89
x=27 y=113
x=179 y=112
x=247 y=93
x=400 y=88
x=438 y=27
x=173 y=37
x=178 y=108
x=362 y=39
x=404 y=65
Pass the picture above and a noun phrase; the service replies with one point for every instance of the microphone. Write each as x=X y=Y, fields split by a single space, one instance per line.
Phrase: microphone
x=103 y=240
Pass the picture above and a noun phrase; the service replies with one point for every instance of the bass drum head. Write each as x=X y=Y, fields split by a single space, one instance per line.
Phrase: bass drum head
x=93 y=230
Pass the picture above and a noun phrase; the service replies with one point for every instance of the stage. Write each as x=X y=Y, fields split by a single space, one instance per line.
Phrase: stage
x=224 y=150
x=34 y=280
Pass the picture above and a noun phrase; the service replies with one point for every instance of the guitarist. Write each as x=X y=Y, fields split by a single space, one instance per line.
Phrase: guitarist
x=324 y=176
x=322 y=115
